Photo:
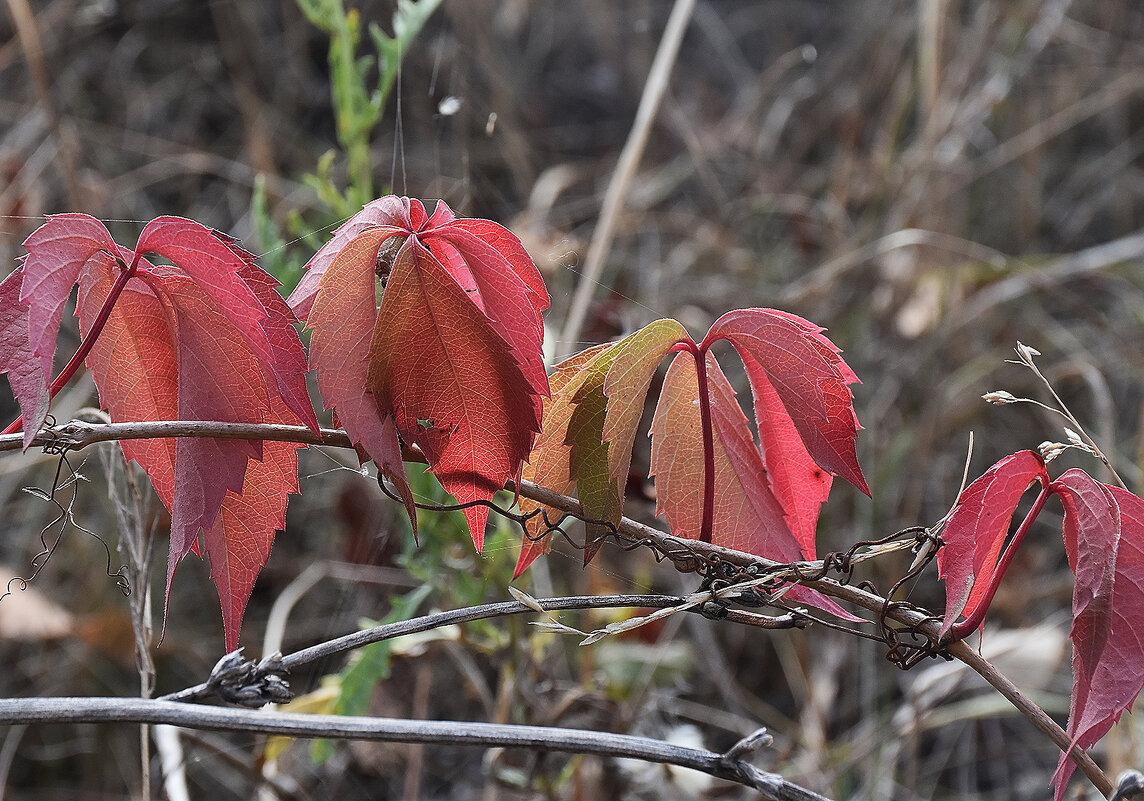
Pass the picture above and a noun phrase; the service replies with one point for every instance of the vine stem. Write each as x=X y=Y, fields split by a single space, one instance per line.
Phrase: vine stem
x=77 y=435
x=966 y=627
x=493 y=735
x=468 y=614
x=72 y=367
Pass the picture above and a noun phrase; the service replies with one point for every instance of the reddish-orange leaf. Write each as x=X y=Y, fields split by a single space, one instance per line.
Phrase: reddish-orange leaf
x=342 y=316
x=805 y=417
x=159 y=358
x=549 y=464
x=747 y=517
x=451 y=383
x=453 y=363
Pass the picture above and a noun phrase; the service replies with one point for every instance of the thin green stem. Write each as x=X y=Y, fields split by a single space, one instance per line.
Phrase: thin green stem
x=125 y=274
x=966 y=627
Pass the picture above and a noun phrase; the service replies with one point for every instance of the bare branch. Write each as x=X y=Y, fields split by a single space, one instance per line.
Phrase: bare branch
x=489 y=735
x=402 y=628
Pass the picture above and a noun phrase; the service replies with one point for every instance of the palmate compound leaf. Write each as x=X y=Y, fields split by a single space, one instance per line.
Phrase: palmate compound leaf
x=1104 y=541
x=976 y=530
x=450 y=361
x=204 y=339
x=754 y=510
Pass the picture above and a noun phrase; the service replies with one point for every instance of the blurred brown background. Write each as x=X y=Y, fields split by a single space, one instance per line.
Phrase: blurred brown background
x=931 y=181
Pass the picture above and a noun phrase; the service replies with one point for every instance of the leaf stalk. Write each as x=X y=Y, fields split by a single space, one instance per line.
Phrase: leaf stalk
x=708 y=516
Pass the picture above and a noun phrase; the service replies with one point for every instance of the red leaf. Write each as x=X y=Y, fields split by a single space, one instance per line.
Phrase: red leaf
x=798 y=483
x=1104 y=540
x=451 y=383
x=976 y=531
x=809 y=377
x=498 y=286
x=28 y=373
x=454 y=362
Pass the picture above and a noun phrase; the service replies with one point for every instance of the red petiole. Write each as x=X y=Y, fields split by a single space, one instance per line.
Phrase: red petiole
x=708 y=516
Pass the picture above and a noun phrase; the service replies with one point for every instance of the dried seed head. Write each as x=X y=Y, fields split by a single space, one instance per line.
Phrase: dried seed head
x=1051 y=450
x=1026 y=353
x=1075 y=439
x=999 y=397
